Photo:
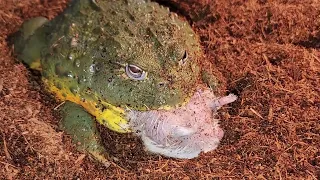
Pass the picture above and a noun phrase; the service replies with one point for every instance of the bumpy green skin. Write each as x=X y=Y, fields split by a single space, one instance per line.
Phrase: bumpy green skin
x=89 y=45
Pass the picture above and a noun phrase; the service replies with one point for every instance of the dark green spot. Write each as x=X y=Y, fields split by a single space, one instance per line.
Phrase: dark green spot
x=58 y=85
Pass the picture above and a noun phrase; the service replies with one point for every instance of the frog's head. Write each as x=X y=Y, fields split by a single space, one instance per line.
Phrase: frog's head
x=149 y=62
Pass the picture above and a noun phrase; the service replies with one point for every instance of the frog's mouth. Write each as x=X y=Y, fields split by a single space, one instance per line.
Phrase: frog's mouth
x=183 y=132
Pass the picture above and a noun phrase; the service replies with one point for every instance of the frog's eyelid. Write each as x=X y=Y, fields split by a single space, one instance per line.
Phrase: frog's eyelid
x=120 y=64
x=124 y=65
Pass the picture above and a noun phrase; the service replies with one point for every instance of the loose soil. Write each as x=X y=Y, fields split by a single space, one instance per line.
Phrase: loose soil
x=265 y=51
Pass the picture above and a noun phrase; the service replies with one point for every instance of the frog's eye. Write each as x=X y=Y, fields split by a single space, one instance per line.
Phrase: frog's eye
x=184 y=58
x=136 y=73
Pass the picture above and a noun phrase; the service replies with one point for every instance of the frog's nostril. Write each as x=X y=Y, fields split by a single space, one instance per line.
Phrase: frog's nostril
x=161 y=84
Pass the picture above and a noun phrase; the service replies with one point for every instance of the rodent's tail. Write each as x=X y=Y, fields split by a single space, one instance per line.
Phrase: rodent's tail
x=29 y=41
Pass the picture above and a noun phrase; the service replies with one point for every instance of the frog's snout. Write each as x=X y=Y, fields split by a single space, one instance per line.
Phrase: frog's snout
x=183 y=132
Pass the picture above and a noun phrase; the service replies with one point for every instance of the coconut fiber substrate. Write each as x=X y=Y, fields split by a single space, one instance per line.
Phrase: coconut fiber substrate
x=265 y=51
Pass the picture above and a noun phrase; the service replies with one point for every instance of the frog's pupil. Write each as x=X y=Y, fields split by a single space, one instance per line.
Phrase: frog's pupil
x=134 y=69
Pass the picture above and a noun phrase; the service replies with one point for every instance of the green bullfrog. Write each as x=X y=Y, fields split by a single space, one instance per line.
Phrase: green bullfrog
x=132 y=65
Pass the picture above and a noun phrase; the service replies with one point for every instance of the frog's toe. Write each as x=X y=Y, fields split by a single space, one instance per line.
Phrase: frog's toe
x=81 y=126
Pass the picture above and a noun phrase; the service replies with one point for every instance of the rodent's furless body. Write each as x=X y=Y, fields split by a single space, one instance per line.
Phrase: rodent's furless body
x=183 y=132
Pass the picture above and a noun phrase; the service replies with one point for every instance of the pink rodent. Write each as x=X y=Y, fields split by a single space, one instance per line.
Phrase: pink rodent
x=183 y=132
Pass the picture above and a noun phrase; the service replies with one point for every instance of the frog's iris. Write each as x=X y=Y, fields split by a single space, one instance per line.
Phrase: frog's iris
x=134 y=72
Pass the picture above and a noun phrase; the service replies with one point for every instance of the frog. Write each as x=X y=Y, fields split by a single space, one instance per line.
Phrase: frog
x=131 y=65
